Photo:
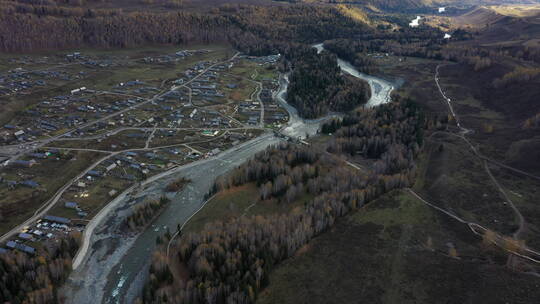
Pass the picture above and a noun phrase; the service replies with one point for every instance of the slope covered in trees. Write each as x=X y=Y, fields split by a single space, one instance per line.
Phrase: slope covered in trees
x=230 y=262
x=29 y=32
x=35 y=279
x=252 y=29
x=386 y=133
x=413 y=6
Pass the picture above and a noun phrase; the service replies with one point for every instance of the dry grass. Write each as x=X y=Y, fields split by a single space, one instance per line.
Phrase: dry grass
x=517 y=10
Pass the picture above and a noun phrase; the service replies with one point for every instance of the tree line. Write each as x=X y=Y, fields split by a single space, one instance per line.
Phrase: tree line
x=517 y=76
x=230 y=262
x=28 y=32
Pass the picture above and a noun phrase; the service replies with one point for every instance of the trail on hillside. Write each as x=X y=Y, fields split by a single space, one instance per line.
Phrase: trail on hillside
x=462 y=134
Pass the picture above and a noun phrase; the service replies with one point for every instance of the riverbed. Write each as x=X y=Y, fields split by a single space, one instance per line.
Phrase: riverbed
x=114 y=262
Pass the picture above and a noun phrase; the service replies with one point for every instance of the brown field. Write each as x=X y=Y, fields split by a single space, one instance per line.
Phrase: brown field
x=395 y=250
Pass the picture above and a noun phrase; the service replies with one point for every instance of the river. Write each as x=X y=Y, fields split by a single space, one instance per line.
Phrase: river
x=114 y=268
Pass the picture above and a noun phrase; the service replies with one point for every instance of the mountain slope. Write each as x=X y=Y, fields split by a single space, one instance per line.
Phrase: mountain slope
x=408 y=5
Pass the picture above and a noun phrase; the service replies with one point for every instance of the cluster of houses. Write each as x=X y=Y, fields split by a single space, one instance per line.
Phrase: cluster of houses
x=46 y=229
x=252 y=110
x=129 y=166
x=180 y=55
x=81 y=105
x=11 y=134
x=274 y=113
x=264 y=60
x=63 y=112
x=216 y=121
x=212 y=72
x=12 y=184
x=25 y=180
x=207 y=87
x=20 y=80
x=86 y=60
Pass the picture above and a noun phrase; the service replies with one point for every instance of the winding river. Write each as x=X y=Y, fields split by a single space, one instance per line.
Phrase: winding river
x=297 y=127
x=114 y=268
x=380 y=88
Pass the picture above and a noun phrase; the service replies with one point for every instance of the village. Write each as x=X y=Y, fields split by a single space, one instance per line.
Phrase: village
x=88 y=140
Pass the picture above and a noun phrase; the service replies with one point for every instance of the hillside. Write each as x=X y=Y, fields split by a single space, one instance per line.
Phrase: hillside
x=502 y=26
x=421 y=5
x=251 y=29
x=478 y=17
x=484 y=16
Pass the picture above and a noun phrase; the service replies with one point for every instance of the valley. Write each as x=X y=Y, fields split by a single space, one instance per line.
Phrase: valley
x=238 y=151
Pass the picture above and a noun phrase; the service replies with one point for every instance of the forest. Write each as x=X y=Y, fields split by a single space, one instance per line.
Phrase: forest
x=230 y=262
x=317 y=86
x=425 y=42
x=255 y=30
x=36 y=25
x=399 y=134
x=35 y=279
